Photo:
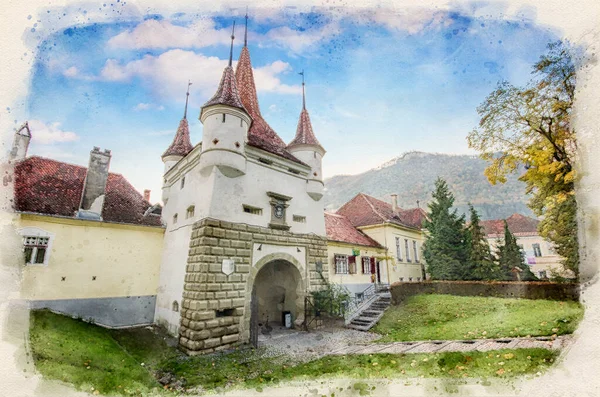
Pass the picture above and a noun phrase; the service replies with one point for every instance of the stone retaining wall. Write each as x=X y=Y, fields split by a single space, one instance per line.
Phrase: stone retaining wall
x=507 y=289
x=208 y=290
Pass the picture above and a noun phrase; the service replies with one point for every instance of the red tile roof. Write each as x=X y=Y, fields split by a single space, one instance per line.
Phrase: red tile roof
x=304 y=132
x=181 y=145
x=260 y=134
x=227 y=93
x=51 y=187
x=364 y=210
x=519 y=225
x=340 y=229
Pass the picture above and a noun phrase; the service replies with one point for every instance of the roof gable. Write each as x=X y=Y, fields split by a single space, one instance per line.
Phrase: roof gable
x=365 y=210
x=339 y=228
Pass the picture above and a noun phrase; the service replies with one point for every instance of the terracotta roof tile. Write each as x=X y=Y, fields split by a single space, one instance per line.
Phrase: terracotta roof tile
x=181 y=145
x=304 y=132
x=364 y=210
x=519 y=225
x=227 y=93
x=52 y=187
x=339 y=228
x=260 y=134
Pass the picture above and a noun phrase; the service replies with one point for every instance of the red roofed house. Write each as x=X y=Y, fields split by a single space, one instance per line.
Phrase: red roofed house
x=397 y=231
x=353 y=256
x=539 y=253
x=91 y=242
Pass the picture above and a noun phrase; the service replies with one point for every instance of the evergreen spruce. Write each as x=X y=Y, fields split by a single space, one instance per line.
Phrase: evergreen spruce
x=511 y=256
x=445 y=249
x=481 y=265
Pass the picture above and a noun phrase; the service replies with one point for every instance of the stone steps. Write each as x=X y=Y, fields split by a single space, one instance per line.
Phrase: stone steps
x=369 y=316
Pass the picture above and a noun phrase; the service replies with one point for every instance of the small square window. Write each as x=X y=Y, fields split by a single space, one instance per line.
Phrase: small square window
x=189 y=213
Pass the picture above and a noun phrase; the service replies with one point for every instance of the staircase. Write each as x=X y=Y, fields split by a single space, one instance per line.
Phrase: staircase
x=367 y=316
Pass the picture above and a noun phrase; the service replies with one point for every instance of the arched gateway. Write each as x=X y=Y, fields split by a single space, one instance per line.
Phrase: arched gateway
x=277 y=267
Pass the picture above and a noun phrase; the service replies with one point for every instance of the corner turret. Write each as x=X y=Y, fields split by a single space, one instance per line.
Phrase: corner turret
x=226 y=124
x=307 y=148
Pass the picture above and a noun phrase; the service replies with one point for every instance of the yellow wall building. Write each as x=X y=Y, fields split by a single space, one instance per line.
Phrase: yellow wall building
x=99 y=261
x=368 y=227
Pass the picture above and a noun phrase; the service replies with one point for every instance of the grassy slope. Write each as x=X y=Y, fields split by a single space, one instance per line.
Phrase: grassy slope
x=85 y=355
x=64 y=348
x=431 y=317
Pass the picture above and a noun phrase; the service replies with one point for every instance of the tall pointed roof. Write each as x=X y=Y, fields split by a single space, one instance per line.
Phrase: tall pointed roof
x=304 y=131
x=181 y=145
x=260 y=134
x=227 y=93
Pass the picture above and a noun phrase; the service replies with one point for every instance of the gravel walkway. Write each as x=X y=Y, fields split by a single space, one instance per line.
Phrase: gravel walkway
x=305 y=346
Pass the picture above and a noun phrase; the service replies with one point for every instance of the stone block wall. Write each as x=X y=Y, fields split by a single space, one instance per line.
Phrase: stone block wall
x=215 y=314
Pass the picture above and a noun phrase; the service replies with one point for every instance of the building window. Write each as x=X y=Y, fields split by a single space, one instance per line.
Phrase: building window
x=175 y=306
x=37 y=244
x=543 y=274
x=366 y=265
x=398 y=250
x=252 y=210
x=299 y=218
x=223 y=117
x=416 y=251
x=352 y=264
x=175 y=219
x=407 y=251
x=341 y=264
x=410 y=279
x=418 y=278
x=401 y=278
x=35 y=249
x=537 y=252
x=182 y=182
x=190 y=212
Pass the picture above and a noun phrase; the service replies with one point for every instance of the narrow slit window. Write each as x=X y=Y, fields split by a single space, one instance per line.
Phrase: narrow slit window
x=175 y=306
x=175 y=219
x=223 y=117
x=299 y=218
x=182 y=182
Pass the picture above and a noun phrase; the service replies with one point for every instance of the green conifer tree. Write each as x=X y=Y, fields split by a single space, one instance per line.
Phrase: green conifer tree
x=511 y=256
x=481 y=265
x=444 y=250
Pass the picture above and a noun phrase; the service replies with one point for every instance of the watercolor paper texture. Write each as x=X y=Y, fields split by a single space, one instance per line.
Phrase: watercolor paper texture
x=381 y=79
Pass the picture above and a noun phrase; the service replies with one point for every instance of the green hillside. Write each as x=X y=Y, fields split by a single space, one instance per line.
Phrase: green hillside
x=412 y=177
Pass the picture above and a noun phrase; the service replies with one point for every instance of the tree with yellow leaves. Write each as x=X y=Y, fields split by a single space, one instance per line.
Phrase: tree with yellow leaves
x=528 y=129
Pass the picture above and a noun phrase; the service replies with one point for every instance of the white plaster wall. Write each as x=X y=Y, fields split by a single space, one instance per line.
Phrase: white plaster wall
x=311 y=157
x=172 y=276
x=233 y=130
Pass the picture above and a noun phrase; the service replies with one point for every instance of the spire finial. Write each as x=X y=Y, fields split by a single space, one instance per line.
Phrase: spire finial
x=303 y=98
x=246 y=31
x=231 y=49
x=187 y=95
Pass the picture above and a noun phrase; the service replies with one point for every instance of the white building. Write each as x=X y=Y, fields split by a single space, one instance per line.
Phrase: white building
x=245 y=234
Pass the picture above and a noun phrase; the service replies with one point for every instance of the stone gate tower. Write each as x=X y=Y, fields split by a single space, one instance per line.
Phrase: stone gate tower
x=244 y=221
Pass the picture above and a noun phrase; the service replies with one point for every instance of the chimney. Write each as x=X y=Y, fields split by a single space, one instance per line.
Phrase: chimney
x=394 y=202
x=147 y=195
x=94 y=187
x=20 y=143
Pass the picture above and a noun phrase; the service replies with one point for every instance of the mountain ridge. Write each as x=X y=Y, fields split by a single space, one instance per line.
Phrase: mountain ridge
x=412 y=174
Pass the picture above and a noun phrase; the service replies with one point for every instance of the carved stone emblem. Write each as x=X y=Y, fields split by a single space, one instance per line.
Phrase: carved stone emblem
x=228 y=266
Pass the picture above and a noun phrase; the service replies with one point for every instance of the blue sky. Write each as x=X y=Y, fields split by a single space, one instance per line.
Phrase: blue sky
x=379 y=83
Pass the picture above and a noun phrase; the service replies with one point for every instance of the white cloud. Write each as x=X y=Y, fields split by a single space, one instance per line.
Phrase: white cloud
x=163 y=34
x=45 y=134
x=168 y=73
x=202 y=33
x=71 y=72
x=148 y=106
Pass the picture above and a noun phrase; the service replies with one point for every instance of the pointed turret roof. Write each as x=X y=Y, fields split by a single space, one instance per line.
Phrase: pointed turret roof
x=260 y=134
x=227 y=93
x=304 y=131
x=181 y=145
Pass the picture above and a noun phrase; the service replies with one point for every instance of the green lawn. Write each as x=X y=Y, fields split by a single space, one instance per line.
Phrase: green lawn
x=437 y=317
x=110 y=362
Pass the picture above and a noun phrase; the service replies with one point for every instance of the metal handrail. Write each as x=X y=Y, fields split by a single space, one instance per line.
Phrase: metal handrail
x=357 y=305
